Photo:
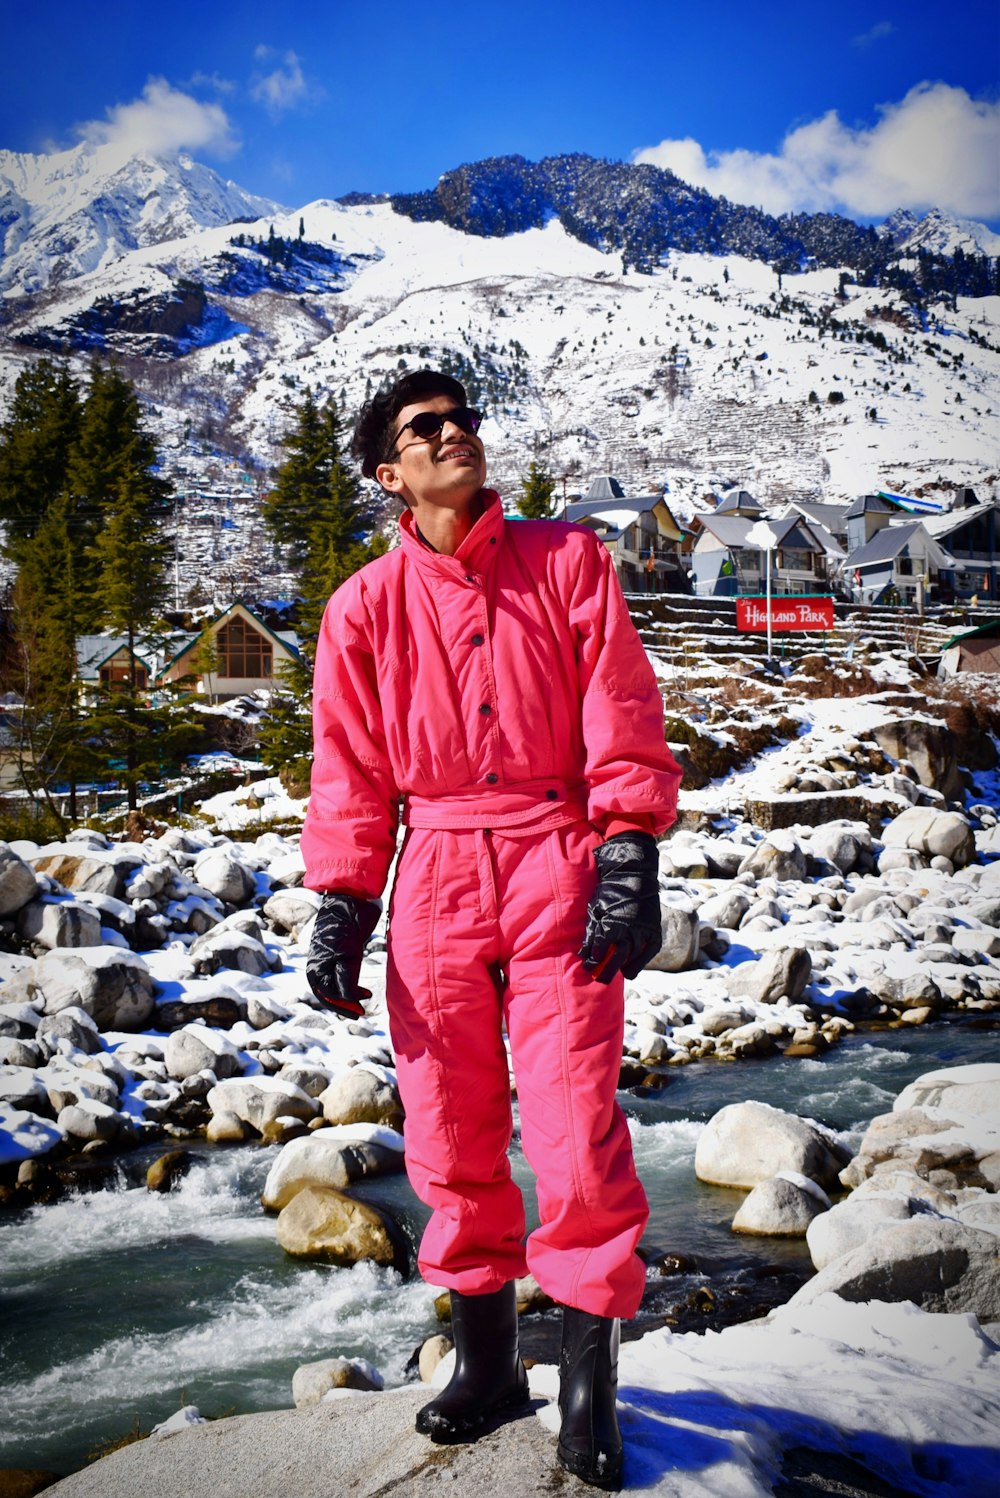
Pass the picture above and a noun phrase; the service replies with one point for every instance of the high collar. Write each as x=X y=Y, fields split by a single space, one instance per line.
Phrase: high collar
x=476 y=552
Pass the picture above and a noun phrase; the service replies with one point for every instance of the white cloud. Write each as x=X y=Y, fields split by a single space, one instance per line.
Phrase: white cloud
x=875 y=34
x=282 y=89
x=163 y=121
x=937 y=147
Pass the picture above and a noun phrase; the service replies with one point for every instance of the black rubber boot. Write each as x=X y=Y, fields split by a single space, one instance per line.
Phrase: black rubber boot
x=489 y=1376
x=590 y=1443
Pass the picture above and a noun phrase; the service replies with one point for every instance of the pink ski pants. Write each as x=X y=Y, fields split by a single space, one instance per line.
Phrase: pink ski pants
x=484 y=928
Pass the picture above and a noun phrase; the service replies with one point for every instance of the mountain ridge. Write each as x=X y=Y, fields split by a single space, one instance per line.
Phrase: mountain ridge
x=700 y=371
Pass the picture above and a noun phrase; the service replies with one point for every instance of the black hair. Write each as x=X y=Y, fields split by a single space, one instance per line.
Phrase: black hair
x=371 y=443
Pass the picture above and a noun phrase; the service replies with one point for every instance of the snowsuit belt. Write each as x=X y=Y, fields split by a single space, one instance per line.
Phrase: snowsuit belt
x=530 y=806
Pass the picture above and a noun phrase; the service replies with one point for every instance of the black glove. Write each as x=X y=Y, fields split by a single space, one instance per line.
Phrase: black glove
x=623 y=917
x=343 y=925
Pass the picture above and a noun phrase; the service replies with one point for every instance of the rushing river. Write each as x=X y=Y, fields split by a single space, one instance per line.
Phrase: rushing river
x=118 y=1307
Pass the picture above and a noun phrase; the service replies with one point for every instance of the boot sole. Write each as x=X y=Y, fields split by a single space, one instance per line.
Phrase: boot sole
x=443 y=1430
x=598 y=1474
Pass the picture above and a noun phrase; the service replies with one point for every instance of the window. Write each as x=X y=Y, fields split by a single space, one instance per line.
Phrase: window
x=242 y=650
x=796 y=561
x=115 y=675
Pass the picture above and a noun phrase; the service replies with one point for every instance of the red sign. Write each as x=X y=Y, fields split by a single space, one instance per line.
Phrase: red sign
x=786 y=613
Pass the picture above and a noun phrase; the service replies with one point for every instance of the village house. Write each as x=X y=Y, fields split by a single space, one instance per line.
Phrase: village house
x=105 y=663
x=901 y=563
x=969 y=530
x=232 y=656
x=641 y=534
x=726 y=563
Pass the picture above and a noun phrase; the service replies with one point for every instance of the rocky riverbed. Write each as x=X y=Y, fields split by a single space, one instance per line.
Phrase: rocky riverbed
x=156 y=989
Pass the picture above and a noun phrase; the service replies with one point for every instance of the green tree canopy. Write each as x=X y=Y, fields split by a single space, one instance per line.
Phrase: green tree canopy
x=318 y=512
x=36 y=446
x=536 y=493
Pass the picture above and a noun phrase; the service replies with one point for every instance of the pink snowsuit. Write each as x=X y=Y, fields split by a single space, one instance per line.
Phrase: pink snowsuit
x=504 y=694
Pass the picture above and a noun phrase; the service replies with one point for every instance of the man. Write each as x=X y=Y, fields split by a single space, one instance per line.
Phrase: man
x=487 y=673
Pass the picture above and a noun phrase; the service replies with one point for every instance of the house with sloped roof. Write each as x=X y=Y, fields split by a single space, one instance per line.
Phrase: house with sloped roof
x=641 y=534
x=725 y=562
x=105 y=662
x=902 y=563
x=971 y=534
x=233 y=655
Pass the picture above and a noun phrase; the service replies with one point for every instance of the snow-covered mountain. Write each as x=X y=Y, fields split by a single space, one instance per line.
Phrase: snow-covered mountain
x=939 y=233
x=698 y=371
x=76 y=211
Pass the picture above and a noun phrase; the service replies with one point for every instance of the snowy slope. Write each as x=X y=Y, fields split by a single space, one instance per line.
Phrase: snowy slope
x=711 y=370
x=75 y=211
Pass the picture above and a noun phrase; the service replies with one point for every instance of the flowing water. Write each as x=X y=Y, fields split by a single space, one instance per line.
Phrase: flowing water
x=120 y=1306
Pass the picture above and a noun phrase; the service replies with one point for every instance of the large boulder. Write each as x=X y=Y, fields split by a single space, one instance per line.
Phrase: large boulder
x=110 y=984
x=931 y=749
x=225 y=876
x=947 y=1145
x=783 y=972
x=198 y=1048
x=959 y=1093
x=18 y=884
x=782 y=1207
x=289 y=910
x=938 y=1264
x=779 y=856
x=362 y=1095
x=224 y=946
x=331 y=1157
x=321 y=1223
x=58 y=921
x=933 y=834
x=727 y=908
x=845 y=845
x=680 y=940
x=76 y=871
x=745 y=1143
x=261 y=1101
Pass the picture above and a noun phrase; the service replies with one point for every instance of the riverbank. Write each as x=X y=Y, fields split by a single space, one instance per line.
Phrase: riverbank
x=877 y=1371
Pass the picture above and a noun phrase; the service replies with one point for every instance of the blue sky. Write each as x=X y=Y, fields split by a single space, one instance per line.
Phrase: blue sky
x=844 y=106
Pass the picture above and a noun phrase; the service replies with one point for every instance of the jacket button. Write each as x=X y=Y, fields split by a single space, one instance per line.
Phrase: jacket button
x=552 y=795
x=492 y=779
x=485 y=709
x=477 y=639
x=469 y=577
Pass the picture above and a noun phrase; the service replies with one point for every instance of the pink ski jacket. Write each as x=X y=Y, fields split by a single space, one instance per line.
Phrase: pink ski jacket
x=502 y=687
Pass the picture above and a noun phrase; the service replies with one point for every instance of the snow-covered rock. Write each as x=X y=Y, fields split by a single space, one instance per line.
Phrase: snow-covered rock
x=745 y=1143
x=335 y=1156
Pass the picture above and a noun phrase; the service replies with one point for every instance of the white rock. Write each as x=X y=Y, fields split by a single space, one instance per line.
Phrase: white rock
x=18 y=884
x=779 y=1208
x=746 y=1143
x=261 y=1101
x=334 y=1156
x=197 y=1048
x=111 y=985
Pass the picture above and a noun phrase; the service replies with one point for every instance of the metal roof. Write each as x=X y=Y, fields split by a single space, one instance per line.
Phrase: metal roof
x=887 y=544
x=605 y=488
x=871 y=504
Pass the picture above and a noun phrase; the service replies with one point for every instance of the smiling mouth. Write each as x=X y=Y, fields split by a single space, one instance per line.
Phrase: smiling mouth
x=453 y=454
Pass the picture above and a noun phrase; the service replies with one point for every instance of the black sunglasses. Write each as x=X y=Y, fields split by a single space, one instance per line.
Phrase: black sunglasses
x=427 y=424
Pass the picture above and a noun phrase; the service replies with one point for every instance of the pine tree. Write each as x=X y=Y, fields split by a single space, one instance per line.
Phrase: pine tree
x=36 y=442
x=317 y=511
x=112 y=447
x=53 y=745
x=536 y=493
x=131 y=555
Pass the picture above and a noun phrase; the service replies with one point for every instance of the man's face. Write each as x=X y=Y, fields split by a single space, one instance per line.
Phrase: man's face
x=446 y=470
